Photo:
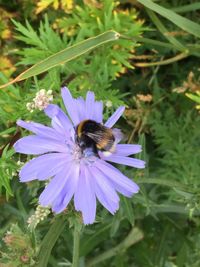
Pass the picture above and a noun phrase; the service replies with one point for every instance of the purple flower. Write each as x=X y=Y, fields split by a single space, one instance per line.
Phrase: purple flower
x=76 y=172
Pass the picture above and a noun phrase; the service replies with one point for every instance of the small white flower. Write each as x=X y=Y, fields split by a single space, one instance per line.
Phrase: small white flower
x=109 y=104
x=40 y=214
x=41 y=100
x=30 y=106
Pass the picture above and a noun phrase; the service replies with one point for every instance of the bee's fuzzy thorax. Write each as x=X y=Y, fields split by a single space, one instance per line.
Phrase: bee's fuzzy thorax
x=93 y=134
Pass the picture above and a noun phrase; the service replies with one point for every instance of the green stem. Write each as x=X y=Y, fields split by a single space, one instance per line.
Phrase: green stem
x=133 y=237
x=163 y=62
x=75 y=260
x=49 y=240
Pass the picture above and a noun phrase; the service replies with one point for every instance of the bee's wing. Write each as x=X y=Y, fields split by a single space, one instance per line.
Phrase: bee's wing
x=97 y=137
x=103 y=139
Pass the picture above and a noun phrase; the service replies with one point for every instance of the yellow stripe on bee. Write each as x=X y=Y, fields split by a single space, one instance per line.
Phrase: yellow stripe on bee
x=80 y=127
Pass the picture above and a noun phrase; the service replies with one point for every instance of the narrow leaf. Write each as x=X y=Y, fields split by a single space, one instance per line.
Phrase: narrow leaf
x=161 y=27
x=49 y=240
x=187 y=8
x=183 y=23
x=66 y=55
x=128 y=210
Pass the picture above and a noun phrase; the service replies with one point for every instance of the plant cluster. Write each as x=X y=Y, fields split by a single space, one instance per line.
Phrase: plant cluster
x=153 y=70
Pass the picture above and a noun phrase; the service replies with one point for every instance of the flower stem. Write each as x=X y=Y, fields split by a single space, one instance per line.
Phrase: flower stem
x=75 y=260
x=133 y=237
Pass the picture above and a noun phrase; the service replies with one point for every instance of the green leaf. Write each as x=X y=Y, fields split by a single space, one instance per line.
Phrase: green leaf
x=164 y=182
x=50 y=239
x=66 y=55
x=183 y=23
x=153 y=42
x=186 y=8
x=173 y=208
x=8 y=131
x=134 y=236
x=89 y=243
x=161 y=27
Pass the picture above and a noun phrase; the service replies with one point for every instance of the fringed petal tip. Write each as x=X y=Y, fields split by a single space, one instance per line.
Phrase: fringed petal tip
x=20 y=122
x=22 y=180
x=65 y=88
x=86 y=221
x=115 y=117
x=136 y=188
x=28 y=125
x=90 y=94
x=17 y=146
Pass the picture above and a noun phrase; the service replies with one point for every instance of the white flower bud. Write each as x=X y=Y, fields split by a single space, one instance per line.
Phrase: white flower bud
x=41 y=100
x=40 y=214
x=109 y=104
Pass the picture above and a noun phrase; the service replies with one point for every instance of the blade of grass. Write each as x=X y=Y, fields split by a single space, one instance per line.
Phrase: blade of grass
x=183 y=23
x=148 y=41
x=187 y=8
x=66 y=55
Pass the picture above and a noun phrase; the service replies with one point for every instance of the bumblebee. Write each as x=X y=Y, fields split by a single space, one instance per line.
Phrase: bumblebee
x=91 y=134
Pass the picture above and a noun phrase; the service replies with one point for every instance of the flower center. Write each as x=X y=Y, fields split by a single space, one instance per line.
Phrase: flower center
x=87 y=154
x=77 y=153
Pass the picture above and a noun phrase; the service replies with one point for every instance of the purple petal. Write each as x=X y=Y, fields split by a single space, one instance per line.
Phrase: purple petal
x=115 y=117
x=70 y=105
x=60 y=121
x=137 y=163
x=94 y=109
x=34 y=145
x=119 y=181
x=118 y=135
x=127 y=150
x=98 y=111
x=90 y=103
x=84 y=198
x=68 y=191
x=56 y=185
x=43 y=167
x=104 y=191
x=39 y=129
x=80 y=106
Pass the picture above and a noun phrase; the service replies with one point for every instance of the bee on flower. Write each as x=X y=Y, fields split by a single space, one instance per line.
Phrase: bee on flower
x=75 y=152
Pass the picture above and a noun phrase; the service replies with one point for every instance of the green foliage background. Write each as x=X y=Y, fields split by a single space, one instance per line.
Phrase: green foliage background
x=159 y=227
